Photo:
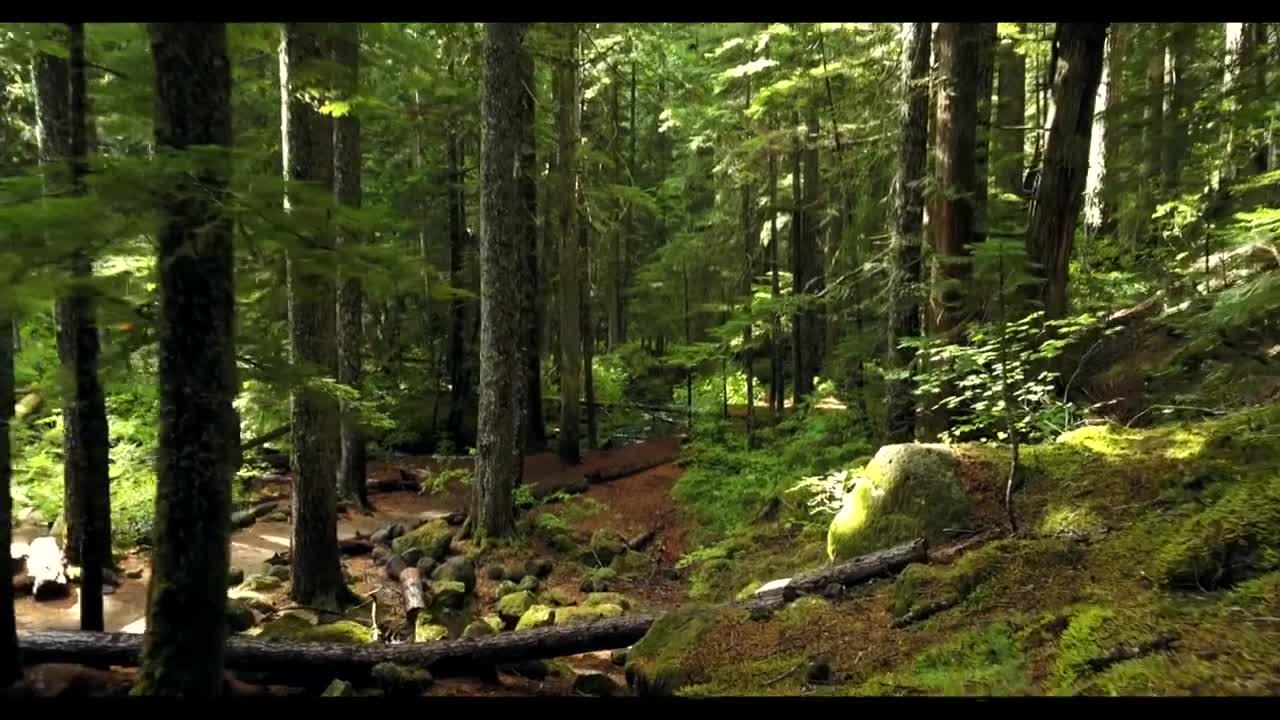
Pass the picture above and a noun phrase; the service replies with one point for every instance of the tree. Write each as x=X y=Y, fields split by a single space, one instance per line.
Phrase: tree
x=10 y=661
x=982 y=143
x=567 y=122
x=1097 y=213
x=502 y=283
x=957 y=120
x=1009 y=138
x=532 y=305
x=308 y=159
x=908 y=195
x=199 y=436
x=347 y=191
x=460 y=391
x=1059 y=195
x=1182 y=39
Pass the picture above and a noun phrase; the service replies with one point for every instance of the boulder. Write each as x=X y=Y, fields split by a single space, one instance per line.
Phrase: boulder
x=596 y=684
x=276 y=516
x=280 y=572
x=261 y=583
x=906 y=491
x=426 y=566
x=339 y=688
x=536 y=616
x=607 y=598
x=493 y=621
x=605 y=545
x=495 y=572
x=528 y=582
x=659 y=663
x=294 y=625
x=380 y=554
x=433 y=539
x=458 y=569
x=401 y=679
x=511 y=607
x=819 y=671
x=380 y=536
x=427 y=631
x=599 y=580
x=504 y=588
x=448 y=593
x=632 y=563
x=411 y=556
x=573 y=615
x=539 y=568
x=477 y=629
x=239 y=616
x=235 y=576
x=561 y=596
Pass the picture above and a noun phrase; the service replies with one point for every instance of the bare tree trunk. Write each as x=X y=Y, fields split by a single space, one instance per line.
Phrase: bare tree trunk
x=308 y=158
x=588 y=324
x=613 y=279
x=10 y=661
x=1059 y=196
x=534 y=431
x=815 y=285
x=184 y=647
x=459 y=389
x=352 y=471
x=1011 y=110
x=570 y=292
x=1182 y=40
x=1100 y=144
x=904 y=281
x=802 y=382
x=1153 y=140
x=982 y=140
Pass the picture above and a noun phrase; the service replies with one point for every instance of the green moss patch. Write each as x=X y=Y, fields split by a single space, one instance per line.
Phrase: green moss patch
x=431 y=538
x=659 y=663
x=1237 y=538
x=988 y=661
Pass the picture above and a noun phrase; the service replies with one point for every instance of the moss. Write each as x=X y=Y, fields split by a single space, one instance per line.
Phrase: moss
x=295 y=626
x=512 y=606
x=504 y=588
x=1101 y=439
x=426 y=629
x=239 y=616
x=712 y=580
x=479 y=629
x=598 y=580
x=536 y=616
x=659 y=663
x=448 y=594
x=777 y=675
x=431 y=538
x=1095 y=631
x=528 y=582
x=339 y=688
x=906 y=491
x=560 y=596
x=605 y=545
x=401 y=679
x=804 y=610
x=261 y=583
x=1237 y=538
x=988 y=661
x=607 y=598
x=1072 y=521
x=632 y=563
x=573 y=615
x=1260 y=593
x=493 y=621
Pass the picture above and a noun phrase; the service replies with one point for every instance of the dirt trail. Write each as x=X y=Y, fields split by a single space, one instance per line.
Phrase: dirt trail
x=632 y=504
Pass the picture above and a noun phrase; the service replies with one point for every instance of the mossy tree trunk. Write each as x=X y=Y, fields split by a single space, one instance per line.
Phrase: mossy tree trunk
x=456 y=361
x=10 y=663
x=567 y=123
x=308 y=159
x=352 y=468
x=1009 y=137
x=502 y=284
x=532 y=306
x=184 y=647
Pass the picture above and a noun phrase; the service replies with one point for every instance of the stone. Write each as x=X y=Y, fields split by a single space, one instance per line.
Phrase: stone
x=108 y=589
x=276 y=516
x=528 y=582
x=280 y=572
x=539 y=568
x=819 y=671
x=395 y=531
x=607 y=598
x=401 y=679
x=380 y=554
x=477 y=629
x=339 y=688
x=136 y=573
x=427 y=631
x=448 y=593
x=833 y=590
x=537 y=616
x=411 y=556
x=495 y=572
x=504 y=588
x=458 y=569
x=511 y=607
x=425 y=566
x=261 y=583
x=604 y=546
x=631 y=562
x=599 y=580
x=618 y=656
x=596 y=684
x=560 y=596
x=433 y=539
x=573 y=615
x=380 y=537
x=239 y=616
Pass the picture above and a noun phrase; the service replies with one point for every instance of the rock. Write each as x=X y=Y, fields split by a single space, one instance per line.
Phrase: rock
x=477 y=629
x=659 y=663
x=239 y=616
x=23 y=584
x=108 y=589
x=833 y=590
x=632 y=563
x=618 y=656
x=401 y=679
x=427 y=631
x=243 y=518
x=276 y=516
x=396 y=531
x=295 y=625
x=380 y=537
x=528 y=582
x=504 y=588
x=596 y=684
x=411 y=556
x=573 y=615
x=607 y=598
x=235 y=576
x=495 y=572
x=819 y=671
x=511 y=607
x=457 y=517
x=560 y=596
x=254 y=601
x=425 y=566
x=136 y=573
x=433 y=539
x=605 y=545
x=772 y=585
x=110 y=577
x=532 y=669
x=536 y=616
x=598 y=580
x=907 y=491
x=280 y=572
x=539 y=568
x=458 y=569
x=448 y=593
x=339 y=688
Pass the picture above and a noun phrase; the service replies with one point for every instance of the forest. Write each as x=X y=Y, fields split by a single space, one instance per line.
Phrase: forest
x=620 y=359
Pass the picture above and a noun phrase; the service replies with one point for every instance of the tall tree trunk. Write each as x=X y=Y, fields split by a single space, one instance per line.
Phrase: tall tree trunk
x=567 y=235
x=503 y=235
x=534 y=431
x=1059 y=196
x=1153 y=139
x=184 y=647
x=308 y=158
x=1011 y=116
x=958 y=45
x=1096 y=210
x=1182 y=39
x=588 y=324
x=777 y=392
x=908 y=211
x=750 y=239
x=815 y=263
x=10 y=661
x=347 y=191
x=801 y=383
x=982 y=142
x=613 y=278
x=456 y=361
x=633 y=171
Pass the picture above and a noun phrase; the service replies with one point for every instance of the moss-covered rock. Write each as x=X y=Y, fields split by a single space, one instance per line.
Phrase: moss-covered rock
x=573 y=615
x=1072 y=521
x=632 y=563
x=235 y=576
x=239 y=616
x=427 y=630
x=511 y=607
x=1235 y=539
x=261 y=583
x=528 y=582
x=712 y=579
x=659 y=663
x=504 y=588
x=598 y=580
x=539 y=567
x=297 y=626
x=605 y=545
x=560 y=596
x=432 y=539
x=536 y=616
x=478 y=629
x=458 y=569
x=493 y=621
x=339 y=688
x=448 y=594
x=607 y=598
x=906 y=491
x=401 y=679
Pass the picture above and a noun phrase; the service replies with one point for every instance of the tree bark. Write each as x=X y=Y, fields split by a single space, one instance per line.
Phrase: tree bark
x=352 y=467
x=1153 y=139
x=1100 y=143
x=777 y=391
x=456 y=362
x=801 y=382
x=502 y=282
x=1182 y=39
x=981 y=150
x=1009 y=138
x=908 y=188
x=308 y=158
x=570 y=296
x=613 y=279
x=533 y=306
x=10 y=661
x=183 y=653
x=957 y=120
x=1059 y=196
x=588 y=325
x=815 y=262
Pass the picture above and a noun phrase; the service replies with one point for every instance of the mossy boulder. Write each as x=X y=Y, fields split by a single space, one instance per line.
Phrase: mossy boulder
x=528 y=582
x=504 y=588
x=261 y=583
x=493 y=621
x=632 y=563
x=401 y=679
x=560 y=596
x=598 y=580
x=580 y=614
x=1236 y=538
x=427 y=630
x=448 y=594
x=605 y=545
x=432 y=538
x=536 y=616
x=906 y=491
x=339 y=688
x=239 y=616
x=607 y=598
x=478 y=629
x=511 y=607
x=539 y=568
x=712 y=579
x=296 y=626
x=659 y=663
x=458 y=569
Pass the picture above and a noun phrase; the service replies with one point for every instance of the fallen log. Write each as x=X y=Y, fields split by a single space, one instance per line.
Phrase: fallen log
x=404 y=482
x=410 y=586
x=264 y=438
x=446 y=657
x=622 y=470
x=865 y=567
x=355 y=546
x=245 y=518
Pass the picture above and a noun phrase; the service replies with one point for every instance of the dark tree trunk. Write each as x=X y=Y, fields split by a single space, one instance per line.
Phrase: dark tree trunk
x=183 y=652
x=1182 y=41
x=456 y=362
x=570 y=292
x=1153 y=139
x=633 y=171
x=815 y=262
x=534 y=430
x=588 y=328
x=1009 y=139
x=352 y=468
x=1059 y=196
x=777 y=391
x=10 y=662
x=308 y=158
x=503 y=236
x=802 y=381
x=904 y=281
x=981 y=150
x=613 y=279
